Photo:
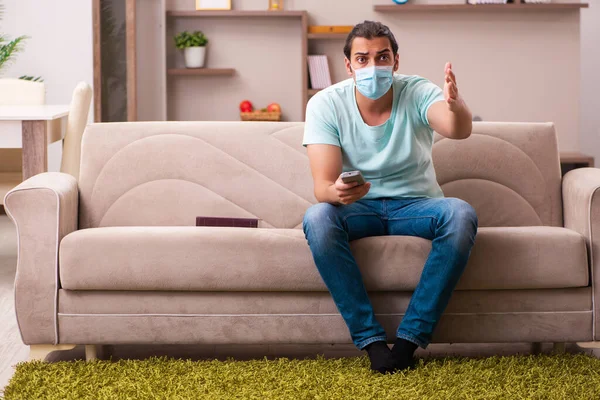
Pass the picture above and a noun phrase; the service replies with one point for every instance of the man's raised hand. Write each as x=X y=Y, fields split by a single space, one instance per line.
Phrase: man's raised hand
x=450 y=88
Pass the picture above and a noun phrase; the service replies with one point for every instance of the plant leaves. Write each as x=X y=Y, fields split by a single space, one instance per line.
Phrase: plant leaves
x=186 y=39
x=31 y=78
x=9 y=50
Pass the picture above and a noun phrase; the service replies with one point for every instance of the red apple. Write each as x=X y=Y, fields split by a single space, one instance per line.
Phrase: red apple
x=274 y=107
x=246 y=106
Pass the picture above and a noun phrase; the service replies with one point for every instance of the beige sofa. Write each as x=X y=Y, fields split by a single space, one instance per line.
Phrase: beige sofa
x=116 y=258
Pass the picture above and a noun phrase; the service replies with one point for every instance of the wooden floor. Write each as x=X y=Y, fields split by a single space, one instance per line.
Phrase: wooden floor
x=13 y=351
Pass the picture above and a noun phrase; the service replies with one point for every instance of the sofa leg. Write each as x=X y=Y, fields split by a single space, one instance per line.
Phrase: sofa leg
x=536 y=348
x=40 y=351
x=559 y=348
x=91 y=352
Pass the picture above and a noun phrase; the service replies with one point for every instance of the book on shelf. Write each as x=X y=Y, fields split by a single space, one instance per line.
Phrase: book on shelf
x=318 y=69
x=486 y=1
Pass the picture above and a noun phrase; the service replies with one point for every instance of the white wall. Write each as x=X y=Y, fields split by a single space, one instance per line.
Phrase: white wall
x=590 y=80
x=60 y=48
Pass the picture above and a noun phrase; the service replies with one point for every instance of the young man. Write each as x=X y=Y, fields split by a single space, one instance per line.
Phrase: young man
x=381 y=124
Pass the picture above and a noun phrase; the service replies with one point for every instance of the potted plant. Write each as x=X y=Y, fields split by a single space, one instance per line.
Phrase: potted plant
x=194 y=48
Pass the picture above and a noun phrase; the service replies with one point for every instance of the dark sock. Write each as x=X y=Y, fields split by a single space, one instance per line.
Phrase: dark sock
x=403 y=352
x=381 y=357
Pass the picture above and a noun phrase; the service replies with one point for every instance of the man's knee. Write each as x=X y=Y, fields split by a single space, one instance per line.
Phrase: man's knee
x=462 y=215
x=318 y=215
x=319 y=224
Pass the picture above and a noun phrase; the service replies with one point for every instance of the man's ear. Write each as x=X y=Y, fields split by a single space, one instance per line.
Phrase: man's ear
x=397 y=63
x=348 y=66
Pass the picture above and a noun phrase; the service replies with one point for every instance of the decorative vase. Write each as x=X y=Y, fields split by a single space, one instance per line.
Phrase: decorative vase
x=194 y=56
x=276 y=5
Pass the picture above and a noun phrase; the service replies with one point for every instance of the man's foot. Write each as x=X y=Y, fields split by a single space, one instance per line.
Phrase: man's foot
x=381 y=357
x=403 y=352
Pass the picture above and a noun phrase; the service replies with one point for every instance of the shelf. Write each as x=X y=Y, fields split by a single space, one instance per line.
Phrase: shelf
x=201 y=71
x=340 y=36
x=576 y=158
x=237 y=14
x=479 y=7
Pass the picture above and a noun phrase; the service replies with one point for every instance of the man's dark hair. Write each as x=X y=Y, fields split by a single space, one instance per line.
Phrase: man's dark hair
x=370 y=30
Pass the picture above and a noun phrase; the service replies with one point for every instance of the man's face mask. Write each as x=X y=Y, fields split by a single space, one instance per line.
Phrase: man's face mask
x=373 y=82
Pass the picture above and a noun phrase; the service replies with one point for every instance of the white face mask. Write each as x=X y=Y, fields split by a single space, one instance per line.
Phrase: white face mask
x=373 y=82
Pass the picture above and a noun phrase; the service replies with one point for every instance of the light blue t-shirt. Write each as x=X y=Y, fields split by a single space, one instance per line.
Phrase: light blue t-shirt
x=395 y=156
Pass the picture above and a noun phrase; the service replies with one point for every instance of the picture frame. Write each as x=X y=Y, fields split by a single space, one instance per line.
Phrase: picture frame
x=212 y=5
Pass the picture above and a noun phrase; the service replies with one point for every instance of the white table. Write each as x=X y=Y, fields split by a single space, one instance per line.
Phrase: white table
x=40 y=125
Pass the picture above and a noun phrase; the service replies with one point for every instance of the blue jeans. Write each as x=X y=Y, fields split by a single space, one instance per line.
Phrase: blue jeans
x=451 y=225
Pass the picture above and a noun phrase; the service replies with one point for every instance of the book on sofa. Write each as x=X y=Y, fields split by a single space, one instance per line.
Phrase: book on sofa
x=228 y=222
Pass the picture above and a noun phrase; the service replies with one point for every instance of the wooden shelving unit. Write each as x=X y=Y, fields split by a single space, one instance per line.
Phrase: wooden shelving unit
x=300 y=17
x=237 y=14
x=201 y=71
x=577 y=158
x=572 y=160
x=480 y=7
x=326 y=36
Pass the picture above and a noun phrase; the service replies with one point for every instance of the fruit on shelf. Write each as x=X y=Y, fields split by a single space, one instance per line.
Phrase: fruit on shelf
x=246 y=106
x=274 y=107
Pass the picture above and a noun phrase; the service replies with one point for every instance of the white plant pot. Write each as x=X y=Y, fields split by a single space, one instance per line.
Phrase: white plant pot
x=194 y=56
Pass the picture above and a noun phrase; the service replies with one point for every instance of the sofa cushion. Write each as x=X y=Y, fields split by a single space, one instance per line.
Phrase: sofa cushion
x=238 y=259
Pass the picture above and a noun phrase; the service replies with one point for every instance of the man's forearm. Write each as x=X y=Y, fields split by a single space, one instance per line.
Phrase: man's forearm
x=326 y=193
x=460 y=121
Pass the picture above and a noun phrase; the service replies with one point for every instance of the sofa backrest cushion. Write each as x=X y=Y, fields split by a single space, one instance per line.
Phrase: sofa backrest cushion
x=168 y=173
x=509 y=172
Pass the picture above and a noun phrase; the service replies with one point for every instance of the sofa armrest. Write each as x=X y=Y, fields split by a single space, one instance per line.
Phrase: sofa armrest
x=44 y=209
x=581 y=209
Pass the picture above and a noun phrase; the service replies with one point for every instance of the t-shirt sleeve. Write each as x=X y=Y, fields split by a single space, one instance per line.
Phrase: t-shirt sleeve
x=320 y=126
x=426 y=93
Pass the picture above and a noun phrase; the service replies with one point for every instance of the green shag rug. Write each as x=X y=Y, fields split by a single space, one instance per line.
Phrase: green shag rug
x=517 y=377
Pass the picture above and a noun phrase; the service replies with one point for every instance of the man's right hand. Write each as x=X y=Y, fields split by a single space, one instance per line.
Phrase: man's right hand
x=348 y=193
x=325 y=164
